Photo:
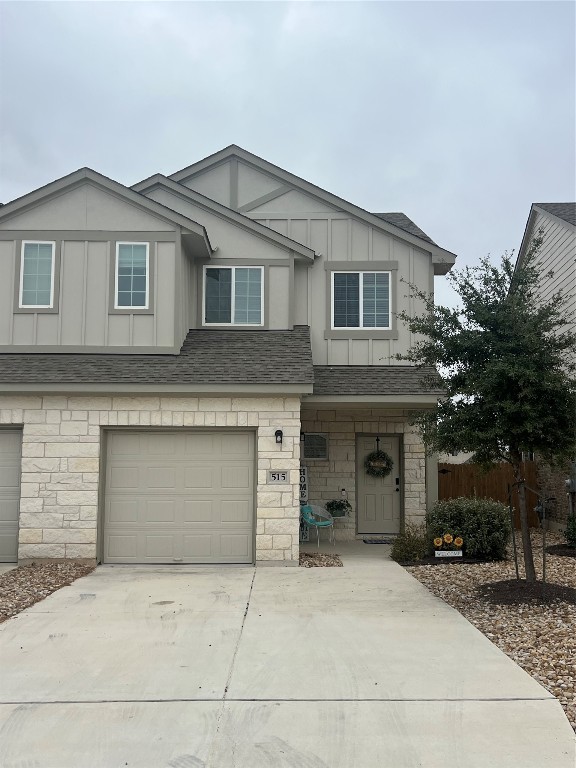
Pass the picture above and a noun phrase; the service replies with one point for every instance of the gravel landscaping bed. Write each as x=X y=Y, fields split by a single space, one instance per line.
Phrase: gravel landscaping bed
x=539 y=636
x=319 y=560
x=24 y=586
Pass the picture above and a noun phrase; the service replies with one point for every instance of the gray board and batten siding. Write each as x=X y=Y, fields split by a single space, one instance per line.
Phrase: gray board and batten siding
x=235 y=245
x=85 y=222
x=341 y=241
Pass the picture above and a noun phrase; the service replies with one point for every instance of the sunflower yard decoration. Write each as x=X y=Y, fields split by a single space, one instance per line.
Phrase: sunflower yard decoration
x=448 y=545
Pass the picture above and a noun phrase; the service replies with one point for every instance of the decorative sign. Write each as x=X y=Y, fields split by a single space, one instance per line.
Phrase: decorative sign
x=448 y=553
x=303 y=485
x=278 y=476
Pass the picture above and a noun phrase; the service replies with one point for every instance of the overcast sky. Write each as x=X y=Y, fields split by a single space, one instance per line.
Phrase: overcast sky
x=460 y=114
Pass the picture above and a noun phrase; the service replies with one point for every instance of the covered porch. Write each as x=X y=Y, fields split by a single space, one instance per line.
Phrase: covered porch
x=337 y=440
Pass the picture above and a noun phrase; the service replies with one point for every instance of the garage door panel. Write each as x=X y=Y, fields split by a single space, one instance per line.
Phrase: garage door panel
x=162 y=445
x=9 y=511
x=123 y=477
x=234 y=545
x=159 y=546
x=10 y=472
x=11 y=444
x=159 y=477
x=124 y=445
x=9 y=545
x=236 y=478
x=180 y=508
x=160 y=511
x=236 y=511
x=122 y=511
x=122 y=547
x=198 y=547
x=202 y=446
x=199 y=511
x=201 y=476
x=9 y=479
x=238 y=445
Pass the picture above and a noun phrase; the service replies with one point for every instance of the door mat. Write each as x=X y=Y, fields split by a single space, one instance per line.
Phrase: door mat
x=378 y=541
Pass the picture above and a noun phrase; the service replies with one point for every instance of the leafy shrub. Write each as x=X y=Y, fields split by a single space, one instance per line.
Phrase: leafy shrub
x=410 y=545
x=482 y=523
x=570 y=532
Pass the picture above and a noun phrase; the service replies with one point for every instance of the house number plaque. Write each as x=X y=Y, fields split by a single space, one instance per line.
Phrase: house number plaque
x=278 y=476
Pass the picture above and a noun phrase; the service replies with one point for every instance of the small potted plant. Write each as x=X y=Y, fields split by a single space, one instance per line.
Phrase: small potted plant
x=338 y=507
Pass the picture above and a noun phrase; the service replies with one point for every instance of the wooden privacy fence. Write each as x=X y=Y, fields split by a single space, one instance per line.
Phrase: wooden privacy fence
x=468 y=480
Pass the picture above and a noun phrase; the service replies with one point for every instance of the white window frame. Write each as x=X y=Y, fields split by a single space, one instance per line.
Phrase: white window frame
x=52 y=243
x=361 y=327
x=147 y=246
x=233 y=297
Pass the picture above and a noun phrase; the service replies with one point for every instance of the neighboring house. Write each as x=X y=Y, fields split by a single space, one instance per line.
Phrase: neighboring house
x=557 y=264
x=457 y=457
x=170 y=353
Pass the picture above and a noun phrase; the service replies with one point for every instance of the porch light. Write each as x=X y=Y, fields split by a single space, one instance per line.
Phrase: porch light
x=278 y=435
x=302 y=437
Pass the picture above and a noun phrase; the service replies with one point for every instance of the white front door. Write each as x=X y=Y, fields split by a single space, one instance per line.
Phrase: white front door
x=378 y=499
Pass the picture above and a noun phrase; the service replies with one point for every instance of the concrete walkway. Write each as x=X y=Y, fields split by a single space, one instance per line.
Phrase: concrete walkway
x=211 y=667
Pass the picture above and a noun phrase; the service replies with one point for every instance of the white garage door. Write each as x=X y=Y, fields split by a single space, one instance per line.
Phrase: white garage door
x=179 y=497
x=10 y=463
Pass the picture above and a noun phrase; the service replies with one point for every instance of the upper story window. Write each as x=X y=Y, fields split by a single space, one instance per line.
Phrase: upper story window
x=37 y=275
x=361 y=300
x=233 y=295
x=132 y=276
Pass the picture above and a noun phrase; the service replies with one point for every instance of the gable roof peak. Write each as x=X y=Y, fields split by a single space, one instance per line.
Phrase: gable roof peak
x=441 y=257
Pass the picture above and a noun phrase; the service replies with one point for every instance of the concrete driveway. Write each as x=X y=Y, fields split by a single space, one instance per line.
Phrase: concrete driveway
x=214 y=667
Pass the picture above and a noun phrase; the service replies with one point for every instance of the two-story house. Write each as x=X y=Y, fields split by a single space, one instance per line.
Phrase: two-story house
x=556 y=261
x=171 y=353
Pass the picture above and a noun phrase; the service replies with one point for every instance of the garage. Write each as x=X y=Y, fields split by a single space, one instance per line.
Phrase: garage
x=183 y=496
x=10 y=464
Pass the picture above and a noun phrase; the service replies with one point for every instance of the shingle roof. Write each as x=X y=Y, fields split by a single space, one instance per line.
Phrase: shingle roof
x=207 y=357
x=565 y=211
x=402 y=221
x=372 y=380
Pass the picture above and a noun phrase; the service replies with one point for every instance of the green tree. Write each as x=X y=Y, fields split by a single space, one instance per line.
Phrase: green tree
x=507 y=366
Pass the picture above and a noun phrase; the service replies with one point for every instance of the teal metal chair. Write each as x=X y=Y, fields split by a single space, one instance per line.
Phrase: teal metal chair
x=317 y=517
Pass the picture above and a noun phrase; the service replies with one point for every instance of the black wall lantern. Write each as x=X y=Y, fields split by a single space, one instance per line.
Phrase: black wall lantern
x=278 y=435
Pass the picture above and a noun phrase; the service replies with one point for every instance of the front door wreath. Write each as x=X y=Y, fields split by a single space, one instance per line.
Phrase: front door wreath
x=378 y=464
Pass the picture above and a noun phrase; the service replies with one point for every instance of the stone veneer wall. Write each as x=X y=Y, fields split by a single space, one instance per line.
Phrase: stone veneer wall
x=61 y=463
x=327 y=478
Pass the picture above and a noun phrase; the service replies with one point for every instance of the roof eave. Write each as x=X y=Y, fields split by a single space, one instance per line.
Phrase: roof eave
x=399 y=401
x=172 y=389
x=526 y=237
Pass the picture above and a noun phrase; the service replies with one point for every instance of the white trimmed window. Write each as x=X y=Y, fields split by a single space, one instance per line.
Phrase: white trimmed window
x=132 y=276
x=37 y=275
x=233 y=296
x=361 y=300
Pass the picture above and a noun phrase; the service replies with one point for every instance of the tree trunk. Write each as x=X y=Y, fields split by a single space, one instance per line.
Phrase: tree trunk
x=524 y=529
